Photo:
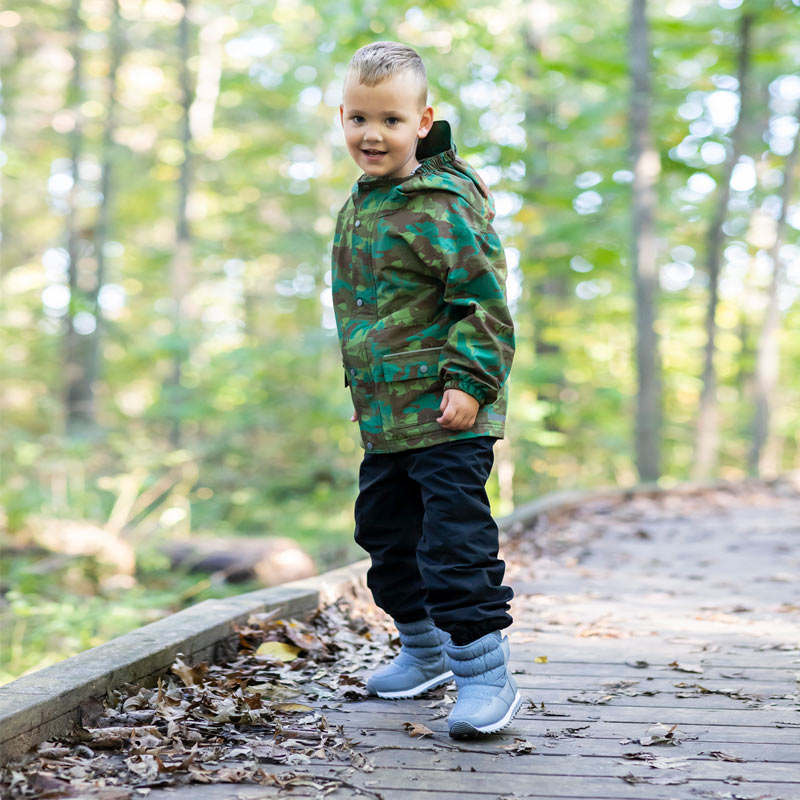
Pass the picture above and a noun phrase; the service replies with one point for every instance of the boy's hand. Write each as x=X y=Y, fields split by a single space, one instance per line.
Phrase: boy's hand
x=354 y=418
x=459 y=410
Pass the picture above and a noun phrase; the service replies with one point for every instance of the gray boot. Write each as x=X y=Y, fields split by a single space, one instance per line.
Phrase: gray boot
x=420 y=665
x=488 y=697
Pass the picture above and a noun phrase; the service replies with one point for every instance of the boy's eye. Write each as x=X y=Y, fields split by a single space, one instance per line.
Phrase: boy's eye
x=390 y=120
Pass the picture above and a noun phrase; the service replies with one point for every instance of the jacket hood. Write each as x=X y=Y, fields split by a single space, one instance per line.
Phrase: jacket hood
x=441 y=169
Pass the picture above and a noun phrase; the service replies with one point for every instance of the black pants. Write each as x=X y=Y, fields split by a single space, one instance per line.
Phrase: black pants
x=424 y=518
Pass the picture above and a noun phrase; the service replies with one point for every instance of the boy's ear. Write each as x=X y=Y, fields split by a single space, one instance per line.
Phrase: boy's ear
x=341 y=113
x=425 y=123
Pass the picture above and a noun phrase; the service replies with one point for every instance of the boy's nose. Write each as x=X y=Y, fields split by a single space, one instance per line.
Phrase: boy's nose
x=372 y=136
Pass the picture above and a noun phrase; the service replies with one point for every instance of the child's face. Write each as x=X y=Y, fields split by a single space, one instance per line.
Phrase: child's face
x=381 y=125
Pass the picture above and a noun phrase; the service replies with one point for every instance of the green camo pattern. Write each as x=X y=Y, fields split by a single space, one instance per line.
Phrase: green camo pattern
x=420 y=301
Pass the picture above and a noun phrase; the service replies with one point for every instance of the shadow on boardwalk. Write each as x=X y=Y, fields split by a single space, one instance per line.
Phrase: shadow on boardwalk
x=656 y=639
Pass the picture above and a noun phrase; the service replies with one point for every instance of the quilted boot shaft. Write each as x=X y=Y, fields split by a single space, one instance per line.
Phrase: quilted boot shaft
x=488 y=697
x=420 y=665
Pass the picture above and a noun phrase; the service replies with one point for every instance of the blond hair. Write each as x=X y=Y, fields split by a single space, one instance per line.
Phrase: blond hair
x=378 y=61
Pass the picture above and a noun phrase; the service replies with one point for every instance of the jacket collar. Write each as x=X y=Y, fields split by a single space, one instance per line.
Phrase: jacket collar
x=438 y=140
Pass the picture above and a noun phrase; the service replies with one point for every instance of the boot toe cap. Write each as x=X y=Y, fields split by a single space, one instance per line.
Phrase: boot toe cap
x=483 y=712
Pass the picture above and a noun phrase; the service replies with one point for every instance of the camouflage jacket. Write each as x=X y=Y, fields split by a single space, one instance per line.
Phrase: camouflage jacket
x=419 y=298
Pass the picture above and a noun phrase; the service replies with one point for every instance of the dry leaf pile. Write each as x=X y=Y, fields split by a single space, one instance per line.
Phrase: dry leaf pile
x=218 y=723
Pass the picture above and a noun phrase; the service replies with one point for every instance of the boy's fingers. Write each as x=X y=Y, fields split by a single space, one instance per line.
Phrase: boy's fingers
x=454 y=421
x=465 y=421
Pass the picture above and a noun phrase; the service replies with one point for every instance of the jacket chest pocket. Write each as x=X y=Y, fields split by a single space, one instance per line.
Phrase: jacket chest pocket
x=413 y=392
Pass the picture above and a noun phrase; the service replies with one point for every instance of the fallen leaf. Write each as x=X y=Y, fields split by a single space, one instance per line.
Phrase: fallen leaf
x=519 y=747
x=657 y=780
x=721 y=756
x=685 y=667
x=593 y=698
x=661 y=734
x=619 y=684
x=540 y=660
x=735 y=779
x=115 y=736
x=291 y=707
x=641 y=755
x=52 y=750
x=657 y=762
x=280 y=651
x=189 y=675
x=417 y=729
x=360 y=761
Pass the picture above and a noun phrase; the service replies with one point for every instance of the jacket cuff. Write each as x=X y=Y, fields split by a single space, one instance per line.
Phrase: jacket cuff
x=469 y=386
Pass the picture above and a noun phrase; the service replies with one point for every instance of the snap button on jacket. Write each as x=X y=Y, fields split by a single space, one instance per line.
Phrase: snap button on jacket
x=420 y=301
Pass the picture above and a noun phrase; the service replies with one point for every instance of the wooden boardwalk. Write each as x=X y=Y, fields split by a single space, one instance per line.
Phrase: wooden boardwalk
x=672 y=619
x=657 y=641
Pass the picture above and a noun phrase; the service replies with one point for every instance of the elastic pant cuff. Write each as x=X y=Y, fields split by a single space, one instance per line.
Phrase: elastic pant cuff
x=462 y=634
x=404 y=619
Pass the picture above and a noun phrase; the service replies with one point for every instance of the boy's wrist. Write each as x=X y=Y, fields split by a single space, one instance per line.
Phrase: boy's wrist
x=468 y=387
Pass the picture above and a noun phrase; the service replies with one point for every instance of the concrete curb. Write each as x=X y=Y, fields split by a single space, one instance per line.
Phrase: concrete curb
x=46 y=703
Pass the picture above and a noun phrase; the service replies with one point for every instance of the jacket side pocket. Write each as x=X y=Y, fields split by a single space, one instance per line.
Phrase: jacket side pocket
x=412 y=390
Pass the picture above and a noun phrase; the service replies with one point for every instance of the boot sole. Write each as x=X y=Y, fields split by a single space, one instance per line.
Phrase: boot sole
x=414 y=691
x=466 y=730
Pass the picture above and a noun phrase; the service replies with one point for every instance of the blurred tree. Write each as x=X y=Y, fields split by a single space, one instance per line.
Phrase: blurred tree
x=646 y=166
x=768 y=354
x=707 y=418
x=78 y=386
x=181 y=261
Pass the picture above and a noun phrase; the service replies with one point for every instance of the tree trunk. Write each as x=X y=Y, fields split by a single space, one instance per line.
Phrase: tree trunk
x=768 y=354
x=78 y=396
x=550 y=290
x=646 y=167
x=102 y=226
x=707 y=438
x=180 y=267
x=272 y=559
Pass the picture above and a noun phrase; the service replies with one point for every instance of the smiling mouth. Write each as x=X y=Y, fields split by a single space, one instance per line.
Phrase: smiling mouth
x=374 y=152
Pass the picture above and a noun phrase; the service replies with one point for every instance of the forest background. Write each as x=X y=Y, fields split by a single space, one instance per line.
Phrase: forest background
x=171 y=173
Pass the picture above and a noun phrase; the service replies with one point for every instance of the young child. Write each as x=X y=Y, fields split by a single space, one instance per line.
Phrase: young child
x=427 y=343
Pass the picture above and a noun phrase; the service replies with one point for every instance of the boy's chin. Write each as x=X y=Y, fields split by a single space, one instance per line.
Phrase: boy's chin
x=378 y=173
x=378 y=170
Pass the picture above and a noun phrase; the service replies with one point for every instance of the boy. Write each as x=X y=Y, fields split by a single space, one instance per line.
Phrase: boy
x=427 y=343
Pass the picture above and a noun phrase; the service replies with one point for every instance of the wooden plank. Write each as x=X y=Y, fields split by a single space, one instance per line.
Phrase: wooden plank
x=611 y=669
x=750 y=717
x=587 y=765
x=661 y=703
x=665 y=683
x=558 y=740
x=624 y=722
x=401 y=782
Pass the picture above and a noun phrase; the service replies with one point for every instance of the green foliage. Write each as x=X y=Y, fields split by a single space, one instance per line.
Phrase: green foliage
x=538 y=96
